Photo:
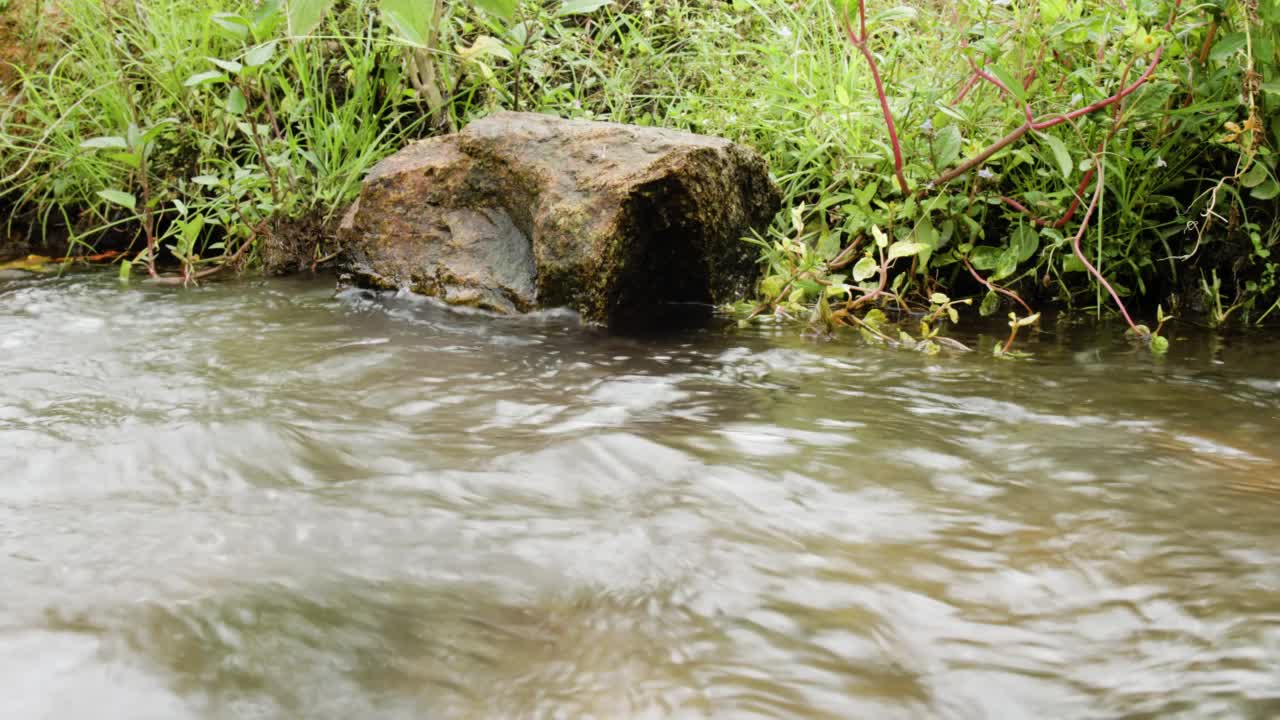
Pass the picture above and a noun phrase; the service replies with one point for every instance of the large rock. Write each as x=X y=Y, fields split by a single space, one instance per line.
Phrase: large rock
x=519 y=211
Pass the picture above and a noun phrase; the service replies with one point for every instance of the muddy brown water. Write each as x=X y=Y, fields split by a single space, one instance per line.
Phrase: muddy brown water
x=267 y=500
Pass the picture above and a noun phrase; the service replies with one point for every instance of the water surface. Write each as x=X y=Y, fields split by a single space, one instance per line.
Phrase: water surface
x=267 y=500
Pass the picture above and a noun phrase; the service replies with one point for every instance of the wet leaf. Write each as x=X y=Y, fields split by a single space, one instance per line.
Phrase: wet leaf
x=939 y=298
x=1159 y=345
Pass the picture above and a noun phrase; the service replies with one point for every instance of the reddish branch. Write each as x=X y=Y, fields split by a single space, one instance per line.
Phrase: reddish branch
x=996 y=288
x=1075 y=247
x=859 y=41
x=1088 y=176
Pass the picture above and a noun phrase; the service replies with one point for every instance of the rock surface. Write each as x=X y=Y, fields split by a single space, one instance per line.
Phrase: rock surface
x=519 y=211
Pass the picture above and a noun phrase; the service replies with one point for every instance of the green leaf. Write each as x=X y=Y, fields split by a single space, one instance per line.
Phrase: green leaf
x=484 y=45
x=131 y=159
x=1006 y=265
x=410 y=20
x=207 y=180
x=125 y=268
x=990 y=303
x=205 y=77
x=1052 y=10
x=260 y=55
x=1254 y=177
x=1060 y=154
x=266 y=15
x=1229 y=45
x=828 y=245
x=119 y=197
x=113 y=141
x=579 y=7
x=1159 y=345
x=1014 y=85
x=230 y=66
x=303 y=16
x=842 y=96
x=232 y=23
x=865 y=268
x=1024 y=242
x=504 y=10
x=1266 y=190
x=939 y=298
x=947 y=145
x=905 y=248
x=1272 y=87
x=235 y=102
x=984 y=257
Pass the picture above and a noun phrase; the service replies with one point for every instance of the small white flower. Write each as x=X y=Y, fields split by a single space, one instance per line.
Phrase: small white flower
x=927 y=125
x=985 y=174
x=1077 y=99
x=928 y=185
x=1160 y=162
x=784 y=32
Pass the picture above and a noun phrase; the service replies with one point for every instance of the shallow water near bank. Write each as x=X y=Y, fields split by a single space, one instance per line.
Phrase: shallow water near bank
x=265 y=499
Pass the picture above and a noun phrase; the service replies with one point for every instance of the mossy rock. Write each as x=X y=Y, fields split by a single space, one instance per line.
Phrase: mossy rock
x=520 y=211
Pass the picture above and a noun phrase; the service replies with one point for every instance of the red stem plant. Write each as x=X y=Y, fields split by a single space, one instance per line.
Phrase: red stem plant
x=859 y=40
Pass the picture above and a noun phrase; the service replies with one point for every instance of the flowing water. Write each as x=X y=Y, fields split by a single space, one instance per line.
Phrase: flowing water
x=271 y=500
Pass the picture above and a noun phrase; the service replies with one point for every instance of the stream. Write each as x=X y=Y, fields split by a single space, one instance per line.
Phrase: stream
x=268 y=499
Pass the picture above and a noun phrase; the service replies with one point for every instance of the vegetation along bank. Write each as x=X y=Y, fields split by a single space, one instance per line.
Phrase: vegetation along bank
x=936 y=159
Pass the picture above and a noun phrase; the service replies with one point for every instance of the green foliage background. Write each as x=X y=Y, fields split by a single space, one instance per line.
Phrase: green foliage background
x=205 y=130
